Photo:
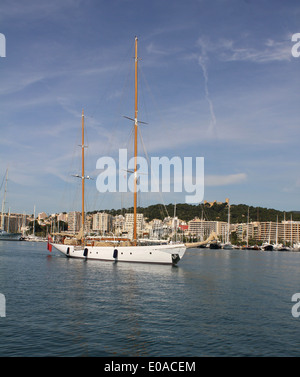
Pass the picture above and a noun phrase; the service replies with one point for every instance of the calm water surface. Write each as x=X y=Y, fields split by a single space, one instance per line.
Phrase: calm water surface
x=215 y=303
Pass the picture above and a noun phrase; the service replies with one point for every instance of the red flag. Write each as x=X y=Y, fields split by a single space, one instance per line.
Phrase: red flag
x=49 y=246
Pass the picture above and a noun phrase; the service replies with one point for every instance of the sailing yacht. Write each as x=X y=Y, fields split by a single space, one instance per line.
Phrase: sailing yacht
x=131 y=252
x=267 y=246
x=6 y=235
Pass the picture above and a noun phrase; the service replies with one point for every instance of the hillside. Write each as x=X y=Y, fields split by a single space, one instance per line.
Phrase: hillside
x=216 y=212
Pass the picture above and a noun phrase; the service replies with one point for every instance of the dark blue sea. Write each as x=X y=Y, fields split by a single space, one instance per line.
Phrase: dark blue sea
x=214 y=303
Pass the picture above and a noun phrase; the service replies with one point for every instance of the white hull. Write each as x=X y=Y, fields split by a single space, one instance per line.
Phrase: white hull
x=227 y=246
x=162 y=254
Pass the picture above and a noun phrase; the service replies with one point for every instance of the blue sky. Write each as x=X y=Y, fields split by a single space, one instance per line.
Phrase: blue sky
x=217 y=80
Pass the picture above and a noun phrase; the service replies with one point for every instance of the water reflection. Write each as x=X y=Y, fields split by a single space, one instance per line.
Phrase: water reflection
x=137 y=292
x=114 y=301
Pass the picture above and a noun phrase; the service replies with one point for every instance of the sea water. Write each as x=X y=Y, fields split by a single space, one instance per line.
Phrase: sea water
x=214 y=303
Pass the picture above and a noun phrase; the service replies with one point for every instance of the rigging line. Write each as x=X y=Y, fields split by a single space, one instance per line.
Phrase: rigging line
x=104 y=195
x=116 y=117
x=141 y=93
x=69 y=185
x=205 y=214
x=87 y=164
x=128 y=195
x=123 y=62
x=126 y=83
x=130 y=139
x=122 y=97
x=121 y=100
x=149 y=164
x=159 y=114
x=2 y=181
x=155 y=103
x=116 y=122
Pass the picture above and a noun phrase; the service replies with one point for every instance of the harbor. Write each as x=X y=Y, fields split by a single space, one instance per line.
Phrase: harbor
x=186 y=227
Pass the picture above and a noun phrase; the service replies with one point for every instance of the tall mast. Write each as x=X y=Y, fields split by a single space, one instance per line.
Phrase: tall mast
x=277 y=230
x=248 y=228
x=228 y=224
x=135 y=142
x=284 y=227
x=82 y=174
x=175 y=223
x=34 y=220
x=3 y=202
x=291 y=230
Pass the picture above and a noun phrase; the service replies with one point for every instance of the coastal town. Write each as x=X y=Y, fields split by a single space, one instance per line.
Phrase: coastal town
x=204 y=232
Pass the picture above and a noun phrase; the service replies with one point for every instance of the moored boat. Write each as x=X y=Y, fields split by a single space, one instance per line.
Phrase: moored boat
x=267 y=247
x=5 y=235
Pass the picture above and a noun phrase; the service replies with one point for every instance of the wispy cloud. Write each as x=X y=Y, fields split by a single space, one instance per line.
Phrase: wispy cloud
x=202 y=62
x=19 y=82
x=269 y=50
x=225 y=180
x=152 y=49
x=33 y=8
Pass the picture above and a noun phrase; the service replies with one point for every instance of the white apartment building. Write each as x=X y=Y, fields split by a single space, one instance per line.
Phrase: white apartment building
x=202 y=228
x=118 y=224
x=129 y=220
x=62 y=217
x=74 y=221
x=285 y=231
x=247 y=231
x=156 y=229
x=268 y=231
x=14 y=222
x=102 y=222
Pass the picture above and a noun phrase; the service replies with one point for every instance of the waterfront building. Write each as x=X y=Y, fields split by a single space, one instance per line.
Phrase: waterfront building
x=74 y=221
x=184 y=228
x=118 y=224
x=88 y=224
x=102 y=222
x=62 y=217
x=270 y=231
x=285 y=231
x=14 y=222
x=248 y=231
x=202 y=228
x=156 y=229
x=128 y=225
